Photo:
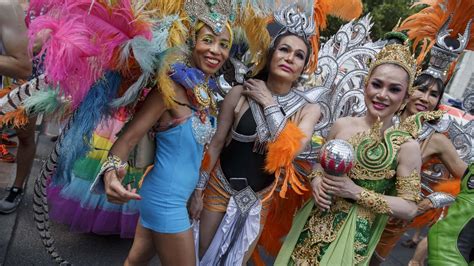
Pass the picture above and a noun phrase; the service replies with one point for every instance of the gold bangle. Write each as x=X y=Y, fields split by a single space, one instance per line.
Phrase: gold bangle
x=374 y=202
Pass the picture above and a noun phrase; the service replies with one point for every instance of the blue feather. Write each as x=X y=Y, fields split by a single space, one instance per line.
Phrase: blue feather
x=93 y=109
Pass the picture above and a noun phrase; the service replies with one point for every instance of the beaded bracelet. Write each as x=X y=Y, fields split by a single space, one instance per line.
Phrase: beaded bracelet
x=113 y=162
x=203 y=179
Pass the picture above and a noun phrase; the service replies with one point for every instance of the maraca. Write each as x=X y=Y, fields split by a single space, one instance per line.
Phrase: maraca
x=336 y=157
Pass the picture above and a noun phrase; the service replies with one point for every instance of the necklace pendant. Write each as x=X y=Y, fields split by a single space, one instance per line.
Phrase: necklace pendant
x=201 y=93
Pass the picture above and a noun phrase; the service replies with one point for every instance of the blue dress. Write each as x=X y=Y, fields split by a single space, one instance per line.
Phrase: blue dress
x=168 y=186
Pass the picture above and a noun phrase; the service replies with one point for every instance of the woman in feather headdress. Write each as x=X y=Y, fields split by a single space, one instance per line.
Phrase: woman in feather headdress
x=429 y=29
x=343 y=223
x=265 y=124
x=183 y=126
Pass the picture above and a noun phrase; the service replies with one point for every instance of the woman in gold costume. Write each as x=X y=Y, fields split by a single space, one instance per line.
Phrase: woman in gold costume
x=343 y=223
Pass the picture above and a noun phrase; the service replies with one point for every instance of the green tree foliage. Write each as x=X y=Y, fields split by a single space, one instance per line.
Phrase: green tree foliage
x=385 y=16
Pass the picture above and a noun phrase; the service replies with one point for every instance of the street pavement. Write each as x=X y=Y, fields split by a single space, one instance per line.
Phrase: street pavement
x=20 y=243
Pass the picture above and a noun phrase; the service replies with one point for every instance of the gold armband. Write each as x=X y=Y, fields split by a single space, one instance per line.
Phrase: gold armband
x=409 y=187
x=314 y=174
x=374 y=201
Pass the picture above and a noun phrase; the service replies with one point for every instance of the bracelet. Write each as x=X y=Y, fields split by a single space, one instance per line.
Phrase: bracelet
x=203 y=179
x=374 y=202
x=276 y=120
x=409 y=187
x=315 y=174
x=440 y=199
x=113 y=162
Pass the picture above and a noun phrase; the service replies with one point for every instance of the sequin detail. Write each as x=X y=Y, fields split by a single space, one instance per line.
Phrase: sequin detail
x=202 y=130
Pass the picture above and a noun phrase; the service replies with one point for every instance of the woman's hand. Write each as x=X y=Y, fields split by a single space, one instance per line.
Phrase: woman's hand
x=321 y=198
x=258 y=91
x=424 y=206
x=116 y=192
x=341 y=186
x=195 y=205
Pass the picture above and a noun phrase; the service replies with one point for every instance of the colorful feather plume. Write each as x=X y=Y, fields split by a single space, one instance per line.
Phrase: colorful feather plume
x=423 y=26
x=48 y=102
x=68 y=54
x=76 y=142
x=256 y=36
x=85 y=40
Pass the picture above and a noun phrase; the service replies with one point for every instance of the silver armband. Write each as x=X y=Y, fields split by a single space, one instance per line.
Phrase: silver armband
x=276 y=120
x=440 y=199
x=203 y=179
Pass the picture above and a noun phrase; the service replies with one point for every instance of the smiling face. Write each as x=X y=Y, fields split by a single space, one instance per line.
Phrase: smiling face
x=211 y=51
x=386 y=90
x=288 y=59
x=425 y=98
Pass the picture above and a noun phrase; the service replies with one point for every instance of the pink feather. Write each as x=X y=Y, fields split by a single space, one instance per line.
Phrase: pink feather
x=69 y=54
x=84 y=39
x=38 y=8
x=112 y=25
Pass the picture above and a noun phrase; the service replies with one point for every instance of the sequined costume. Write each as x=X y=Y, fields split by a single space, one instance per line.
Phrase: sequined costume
x=246 y=207
x=267 y=141
x=451 y=240
x=434 y=25
x=348 y=232
x=167 y=187
x=436 y=186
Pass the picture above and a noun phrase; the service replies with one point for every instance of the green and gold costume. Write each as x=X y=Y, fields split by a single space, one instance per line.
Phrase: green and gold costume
x=348 y=232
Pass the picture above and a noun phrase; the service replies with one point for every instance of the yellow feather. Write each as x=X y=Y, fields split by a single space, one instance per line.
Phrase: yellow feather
x=255 y=28
x=164 y=82
x=162 y=8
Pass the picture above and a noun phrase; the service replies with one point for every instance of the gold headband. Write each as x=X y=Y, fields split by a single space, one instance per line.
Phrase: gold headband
x=399 y=55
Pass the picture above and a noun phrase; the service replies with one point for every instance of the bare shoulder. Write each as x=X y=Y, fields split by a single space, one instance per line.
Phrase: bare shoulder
x=234 y=93
x=345 y=121
x=439 y=139
x=236 y=89
x=9 y=9
x=410 y=146
x=410 y=153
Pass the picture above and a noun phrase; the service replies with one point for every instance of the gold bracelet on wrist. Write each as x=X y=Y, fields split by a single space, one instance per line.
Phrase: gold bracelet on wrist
x=374 y=202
